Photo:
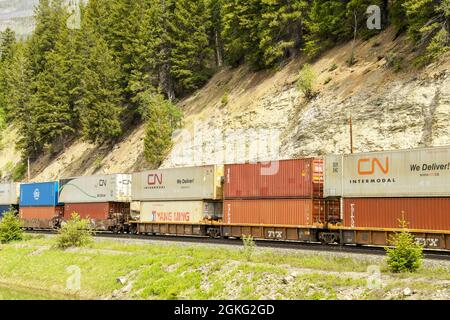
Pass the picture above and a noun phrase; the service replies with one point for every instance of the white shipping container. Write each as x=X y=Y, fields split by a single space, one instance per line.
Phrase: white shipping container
x=89 y=189
x=403 y=173
x=180 y=211
x=190 y=183
x=9 y=193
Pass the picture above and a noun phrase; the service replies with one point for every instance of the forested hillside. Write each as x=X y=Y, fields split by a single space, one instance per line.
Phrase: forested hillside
x=129 y=62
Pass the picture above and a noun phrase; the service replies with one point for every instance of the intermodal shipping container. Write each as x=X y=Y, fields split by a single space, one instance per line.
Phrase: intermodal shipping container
x=286 y=212
x=420 y=213
x=188 y=212
x=191 y=183
x=300 y=178
x=104 y=188
x=9 y=193
x=97 y=211
x=43 y=194
x=405 y=173
x=40 y=217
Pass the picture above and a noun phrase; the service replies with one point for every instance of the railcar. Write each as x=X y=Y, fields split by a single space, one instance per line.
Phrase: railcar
x=353 y=199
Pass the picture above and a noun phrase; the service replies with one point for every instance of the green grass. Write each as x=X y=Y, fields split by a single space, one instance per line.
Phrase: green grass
x=174 y=271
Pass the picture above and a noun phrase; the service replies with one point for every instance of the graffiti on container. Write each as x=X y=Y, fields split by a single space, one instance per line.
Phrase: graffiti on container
x=275 y=234
x=428 y=242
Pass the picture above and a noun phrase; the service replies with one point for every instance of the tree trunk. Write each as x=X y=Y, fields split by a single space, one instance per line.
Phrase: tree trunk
x=219 y=59
x=355 y=28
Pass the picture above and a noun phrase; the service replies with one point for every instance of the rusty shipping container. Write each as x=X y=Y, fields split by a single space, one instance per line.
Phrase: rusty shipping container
x=286 y=212
x=420 y=213
x=299 y=178
x=103 y=215
x=41 y=217
x=423 y=172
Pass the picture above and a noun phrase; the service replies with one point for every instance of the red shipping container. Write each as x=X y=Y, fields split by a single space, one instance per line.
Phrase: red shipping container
x=420 y=213
x=286 y=212
x=40 y=217
x=300 y=178
x=96 y=211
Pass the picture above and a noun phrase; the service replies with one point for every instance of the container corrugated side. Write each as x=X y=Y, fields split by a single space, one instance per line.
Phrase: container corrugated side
x=102 y=188
x=44 y=194
x=180 y=211
x=44 y=213
x=295 y=212
x=299 y=178
x=404 y=173
x=420 y=213
x=190 y=183
x=97 y=210
x=9 y=193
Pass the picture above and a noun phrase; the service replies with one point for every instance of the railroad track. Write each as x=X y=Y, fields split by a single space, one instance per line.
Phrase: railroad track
x=428 y=254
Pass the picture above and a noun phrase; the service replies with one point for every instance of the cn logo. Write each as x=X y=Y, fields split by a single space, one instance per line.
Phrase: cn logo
x=102 y=183
x=367 y=166
x=154 y=178
x=36 y=194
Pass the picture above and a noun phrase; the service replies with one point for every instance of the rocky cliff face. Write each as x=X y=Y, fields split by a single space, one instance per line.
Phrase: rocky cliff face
x=246 y=116
x=266 y=117
x=18 y=16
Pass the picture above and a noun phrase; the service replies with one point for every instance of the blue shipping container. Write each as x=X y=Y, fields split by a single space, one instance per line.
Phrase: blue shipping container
x=3 y=209
x=39 y=194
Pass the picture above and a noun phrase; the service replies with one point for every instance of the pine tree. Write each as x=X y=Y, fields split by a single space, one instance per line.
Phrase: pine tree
x=153 y=45
x=240 y=32
x=7 y=44
x=191 y=53
x=18 y=83
x=215 y=32
x=281 y=29
x=99 y=102
x=161 y=117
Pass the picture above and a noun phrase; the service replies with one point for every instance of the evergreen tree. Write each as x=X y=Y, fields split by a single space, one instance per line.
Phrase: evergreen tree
x=7 y=43
x=281 y=29
x=240 y=31
x=191 y=53
x=99 y=95
x=153 y=51
x=161 y=118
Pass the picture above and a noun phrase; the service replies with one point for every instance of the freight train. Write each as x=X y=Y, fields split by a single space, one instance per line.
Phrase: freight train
x=356 y=199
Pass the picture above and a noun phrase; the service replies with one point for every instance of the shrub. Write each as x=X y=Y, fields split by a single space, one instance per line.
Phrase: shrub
x=393 y=61
x=19 y=171
x=76 y=232
x=249 y=246
x=333 y=67
x=224 y=100
x=10 y=228
x=305 y=82
x=406 y=255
